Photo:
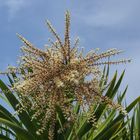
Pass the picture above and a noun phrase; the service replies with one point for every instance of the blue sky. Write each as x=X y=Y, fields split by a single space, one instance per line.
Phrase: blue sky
x=100 y=24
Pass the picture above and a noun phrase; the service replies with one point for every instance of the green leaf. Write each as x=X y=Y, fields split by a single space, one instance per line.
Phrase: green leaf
x=103 y=77
x=138 y=121
x=120 y=132
x=24 y=117
x=115 y=89
x=108 y=134
x=2 y=137
x=122 y=96
x=107 y=75
x=121 y=116
x=104 y=124
x=10 y=79
x=20 y=132
x=101 y=108
x=132 y=127
x=8 y=115
x=130 y=107
x=7 y=130
x=84 y=128
x=111 y=87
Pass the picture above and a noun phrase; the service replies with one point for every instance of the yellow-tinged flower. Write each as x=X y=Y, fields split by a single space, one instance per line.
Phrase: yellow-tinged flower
x=58 y=82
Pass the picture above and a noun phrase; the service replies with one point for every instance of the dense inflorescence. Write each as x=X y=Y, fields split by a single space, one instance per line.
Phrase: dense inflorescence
x=57 y=77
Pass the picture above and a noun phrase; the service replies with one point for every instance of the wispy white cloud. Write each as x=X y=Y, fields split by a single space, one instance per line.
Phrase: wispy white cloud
x=109 y=13
x=14 y=6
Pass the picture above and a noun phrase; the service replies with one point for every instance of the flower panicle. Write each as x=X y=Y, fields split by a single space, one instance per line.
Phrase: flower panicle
x=106 y=54
x=58 y=77
x=52 y=30
x=112 y=62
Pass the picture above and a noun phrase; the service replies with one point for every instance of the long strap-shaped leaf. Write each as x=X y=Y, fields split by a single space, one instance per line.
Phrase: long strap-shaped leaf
x=120 y=133
x=120 y=117
x=110 y=93
x=111 y=131
x=117 y=85
x=138 y=121
x=107 y=121
x=2 y=137
x=110 y=117
x=101 y=107
x=8 y=115
x=24 y=117
x=7 y=130
x=20 y=132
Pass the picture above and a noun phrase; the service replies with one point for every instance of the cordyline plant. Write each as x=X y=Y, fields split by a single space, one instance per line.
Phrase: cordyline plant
x=57 y=79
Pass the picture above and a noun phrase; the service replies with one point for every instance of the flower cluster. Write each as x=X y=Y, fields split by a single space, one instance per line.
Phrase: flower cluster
x=57 y=76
